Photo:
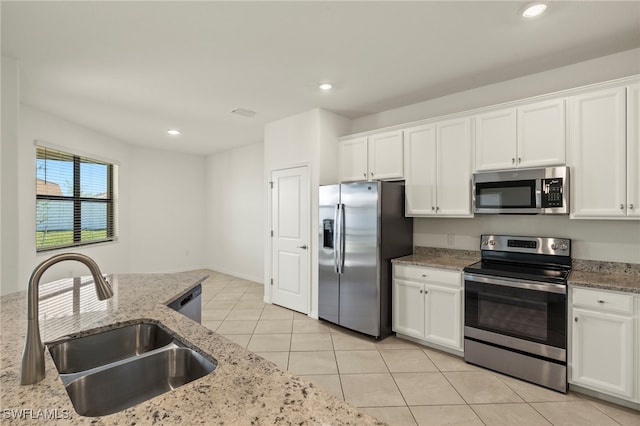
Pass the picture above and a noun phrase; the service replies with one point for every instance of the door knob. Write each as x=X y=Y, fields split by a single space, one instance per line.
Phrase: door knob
x=303 y=247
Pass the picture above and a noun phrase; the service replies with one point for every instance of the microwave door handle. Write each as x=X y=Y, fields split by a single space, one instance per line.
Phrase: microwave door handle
x=538 y=193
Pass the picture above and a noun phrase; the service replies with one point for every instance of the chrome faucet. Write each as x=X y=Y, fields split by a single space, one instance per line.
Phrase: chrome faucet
x=33 y=355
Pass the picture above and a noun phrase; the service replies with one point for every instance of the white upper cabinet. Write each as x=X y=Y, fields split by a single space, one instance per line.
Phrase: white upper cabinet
x=454 y=167
x=353 y=159
x=633 y=150
x=378 y=157
x=496 y=140
x=385 y=156
x=420 y=170
x=438 y=169
x=527 y=136
x=541 y=134
x=598 y=156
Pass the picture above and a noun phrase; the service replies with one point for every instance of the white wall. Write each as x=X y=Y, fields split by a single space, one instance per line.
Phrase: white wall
x=10 y=107
x=167 y=211
x=617 y=241
x=309 y=139
x=235 y=211
x=161 y=211
x=589 y=72
x=38 y=125
x=609 y=240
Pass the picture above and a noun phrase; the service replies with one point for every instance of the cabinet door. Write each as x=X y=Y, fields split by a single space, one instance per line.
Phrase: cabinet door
x=454 y=168
x=541 y=134
x=353 y=160
x=385 y=156
x=598 y=154
x=496 y=140
x=420 y=170
x=633 y=150
x=443 y=316
x=408 y=308
x=602 y=352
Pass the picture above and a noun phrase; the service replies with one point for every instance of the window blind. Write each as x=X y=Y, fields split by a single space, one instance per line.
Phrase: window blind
x=75 y=200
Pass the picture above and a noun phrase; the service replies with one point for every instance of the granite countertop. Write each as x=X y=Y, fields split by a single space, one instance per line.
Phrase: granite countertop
x=244 y=388
x=606 y=275
x=613 y=276
x=432 y=257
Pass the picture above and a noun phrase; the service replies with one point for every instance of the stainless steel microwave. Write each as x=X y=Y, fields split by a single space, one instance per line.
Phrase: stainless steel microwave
x=522 y=191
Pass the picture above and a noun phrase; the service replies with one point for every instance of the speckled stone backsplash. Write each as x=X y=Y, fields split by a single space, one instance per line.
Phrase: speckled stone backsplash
x=459 y=254
x=606 y=267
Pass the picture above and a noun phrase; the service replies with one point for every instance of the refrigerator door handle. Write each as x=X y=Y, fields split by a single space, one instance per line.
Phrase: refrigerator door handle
x=336 y=238
x=341 y=240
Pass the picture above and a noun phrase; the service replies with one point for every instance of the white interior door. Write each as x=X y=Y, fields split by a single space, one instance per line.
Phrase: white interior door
x=290 y=245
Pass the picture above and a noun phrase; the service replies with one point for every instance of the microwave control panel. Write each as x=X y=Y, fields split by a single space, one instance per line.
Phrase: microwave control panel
x=552 y=192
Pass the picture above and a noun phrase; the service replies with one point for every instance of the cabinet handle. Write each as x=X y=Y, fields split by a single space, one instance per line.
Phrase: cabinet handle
x=621 y=206
x=424 y=275
x=519 y=160
x=420 y=291
x=365 y=175
x=371 y=174
x=513 y=161
x=425 y=292
x=630 y=206
x=600 y=301
x=433 y=208
x=437 y=208
x=576 y=319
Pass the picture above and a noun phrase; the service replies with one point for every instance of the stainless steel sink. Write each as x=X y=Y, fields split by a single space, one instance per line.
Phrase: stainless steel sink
x=127 y=384
x=110 y=371
x=85 y=353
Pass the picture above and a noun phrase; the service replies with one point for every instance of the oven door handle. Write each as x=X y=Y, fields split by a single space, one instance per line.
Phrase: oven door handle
x=524 y=284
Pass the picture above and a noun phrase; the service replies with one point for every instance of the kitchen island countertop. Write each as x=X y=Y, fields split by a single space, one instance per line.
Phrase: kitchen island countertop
x=244 y=388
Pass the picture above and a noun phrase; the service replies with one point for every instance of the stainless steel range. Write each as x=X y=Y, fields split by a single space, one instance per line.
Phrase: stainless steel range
x=516 y=308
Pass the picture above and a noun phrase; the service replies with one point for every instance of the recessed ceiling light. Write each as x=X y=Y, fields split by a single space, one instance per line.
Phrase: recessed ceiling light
x=173 y=132
x=325 y=86
x=534 y=9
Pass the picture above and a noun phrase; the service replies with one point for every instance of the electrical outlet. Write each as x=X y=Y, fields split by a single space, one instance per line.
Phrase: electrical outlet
x=451 y=239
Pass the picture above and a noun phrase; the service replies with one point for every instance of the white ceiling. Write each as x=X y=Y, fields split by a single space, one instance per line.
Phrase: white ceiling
x=132 y=70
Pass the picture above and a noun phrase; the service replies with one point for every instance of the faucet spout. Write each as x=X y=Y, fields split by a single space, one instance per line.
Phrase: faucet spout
x=33 y=355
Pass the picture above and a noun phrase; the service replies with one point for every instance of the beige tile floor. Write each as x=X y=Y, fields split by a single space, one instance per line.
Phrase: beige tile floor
x=396 y=381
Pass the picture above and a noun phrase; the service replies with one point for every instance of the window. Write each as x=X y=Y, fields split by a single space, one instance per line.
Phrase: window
x=75 y=200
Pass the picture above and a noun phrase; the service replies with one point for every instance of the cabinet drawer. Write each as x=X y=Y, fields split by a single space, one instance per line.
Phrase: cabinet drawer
x=431 y=275
x=603 y=301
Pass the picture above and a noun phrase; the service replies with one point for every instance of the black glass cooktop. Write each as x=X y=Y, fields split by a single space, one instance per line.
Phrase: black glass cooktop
x=550 y=274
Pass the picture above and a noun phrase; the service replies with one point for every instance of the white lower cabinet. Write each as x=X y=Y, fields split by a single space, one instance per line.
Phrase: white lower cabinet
x=427 y=305
x=602 y=342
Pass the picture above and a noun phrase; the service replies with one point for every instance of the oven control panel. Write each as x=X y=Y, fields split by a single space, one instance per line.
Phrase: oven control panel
x=522 y=244
x=532 y=245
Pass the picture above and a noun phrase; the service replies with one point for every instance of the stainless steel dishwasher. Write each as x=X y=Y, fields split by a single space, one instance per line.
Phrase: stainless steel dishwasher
x=190 y=304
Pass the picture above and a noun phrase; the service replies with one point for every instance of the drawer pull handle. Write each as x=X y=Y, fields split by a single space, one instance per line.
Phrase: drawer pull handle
x=576 y=319
x=424 y=275
x=600 y=301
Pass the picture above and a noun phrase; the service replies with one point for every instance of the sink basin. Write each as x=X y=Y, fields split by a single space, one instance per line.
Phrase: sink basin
x=127 y=384
x=113 y=370
x=84 y=353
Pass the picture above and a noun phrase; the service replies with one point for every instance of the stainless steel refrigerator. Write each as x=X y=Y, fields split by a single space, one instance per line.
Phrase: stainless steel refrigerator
x=362 y=227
